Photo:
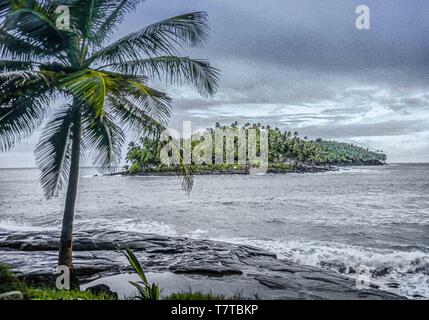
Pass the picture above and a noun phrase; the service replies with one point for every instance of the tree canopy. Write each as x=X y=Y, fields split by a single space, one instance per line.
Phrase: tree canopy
x=283 y=147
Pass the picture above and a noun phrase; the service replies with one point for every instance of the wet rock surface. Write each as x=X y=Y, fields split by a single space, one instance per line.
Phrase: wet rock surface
x=102 y=289
x=14 y=295
x=33 y=256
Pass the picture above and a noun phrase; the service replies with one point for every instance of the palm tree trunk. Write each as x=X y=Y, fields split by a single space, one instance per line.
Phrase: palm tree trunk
x=65 y=256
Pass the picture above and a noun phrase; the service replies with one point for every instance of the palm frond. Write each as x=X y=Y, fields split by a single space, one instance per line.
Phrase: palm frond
x=135 y=264
x=156 y=104
x=5 y=7
x=146 y=290
x=97 y=19
x=34 y=23
x=142 y=124
x=133 y=117
x=22 y=110
x=90 y=87
x=104 y=139
x=159 y=38
x=18 y=86
x=16 y=47
x=20 y=78
x=53 y=152
x=16 y=65
x=176 y=70
x=114 y=17
x=40 y=59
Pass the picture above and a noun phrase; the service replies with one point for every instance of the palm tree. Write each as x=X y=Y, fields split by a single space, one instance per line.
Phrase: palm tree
x=103 y=88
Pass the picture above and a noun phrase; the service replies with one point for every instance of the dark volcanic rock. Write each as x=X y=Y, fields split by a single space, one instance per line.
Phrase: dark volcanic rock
x=102 y=288
x=33 y=255
x=204 y=269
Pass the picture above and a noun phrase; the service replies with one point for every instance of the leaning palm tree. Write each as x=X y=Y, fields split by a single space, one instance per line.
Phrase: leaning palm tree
x=103 y=88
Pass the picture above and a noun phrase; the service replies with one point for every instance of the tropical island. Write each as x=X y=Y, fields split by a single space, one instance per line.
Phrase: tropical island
x=105 y=93
x=287 y=152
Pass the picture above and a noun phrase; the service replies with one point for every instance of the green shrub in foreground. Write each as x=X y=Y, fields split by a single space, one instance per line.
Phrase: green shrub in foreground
x=193 y=296
x=146 y=290
x=53 y=294
x=9 y=281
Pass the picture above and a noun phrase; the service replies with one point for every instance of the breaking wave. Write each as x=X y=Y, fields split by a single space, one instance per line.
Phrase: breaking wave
x=402 y=272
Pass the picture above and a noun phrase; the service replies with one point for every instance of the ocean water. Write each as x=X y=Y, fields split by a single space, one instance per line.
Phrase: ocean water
x=373 y=217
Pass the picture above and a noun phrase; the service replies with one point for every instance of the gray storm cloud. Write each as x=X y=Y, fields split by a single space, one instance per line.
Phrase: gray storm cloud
x=302 y=65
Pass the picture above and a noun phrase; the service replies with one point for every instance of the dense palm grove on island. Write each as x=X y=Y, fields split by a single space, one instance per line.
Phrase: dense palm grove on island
x=287 y=152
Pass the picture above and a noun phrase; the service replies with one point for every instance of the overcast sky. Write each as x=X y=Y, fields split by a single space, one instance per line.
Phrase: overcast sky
x=303 y=65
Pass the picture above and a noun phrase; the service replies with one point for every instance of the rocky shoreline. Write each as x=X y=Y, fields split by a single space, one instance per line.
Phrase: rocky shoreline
x=300 y=168
x=210 y=265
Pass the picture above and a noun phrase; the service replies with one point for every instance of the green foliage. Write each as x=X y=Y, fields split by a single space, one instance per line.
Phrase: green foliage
x=53 y=294
x=348 y=153
x=8 y=280
x=105 y=85
x=144 y=155
x=287 y=151
x=146 y=290
x=193 y=295
x=199 y=295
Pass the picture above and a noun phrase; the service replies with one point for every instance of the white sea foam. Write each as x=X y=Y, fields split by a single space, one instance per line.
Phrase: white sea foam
x=402 y=272
x=198 y=233
x=352 y=170
x=13 y=225
x=127 y=225
x=385 y=205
